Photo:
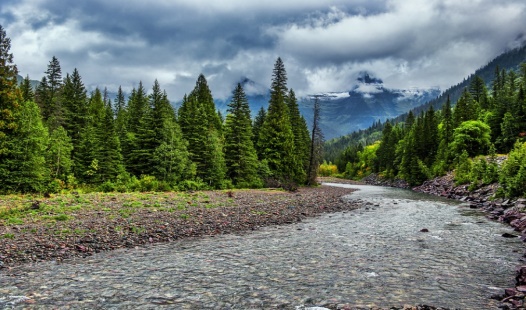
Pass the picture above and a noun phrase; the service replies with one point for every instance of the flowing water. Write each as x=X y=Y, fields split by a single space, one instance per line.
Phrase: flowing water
x=373 y=256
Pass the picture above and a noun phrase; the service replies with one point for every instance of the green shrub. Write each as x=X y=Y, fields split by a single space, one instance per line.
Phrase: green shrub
x=512 y=177
x=107 y=187
x=192 y=185
x=463 y=169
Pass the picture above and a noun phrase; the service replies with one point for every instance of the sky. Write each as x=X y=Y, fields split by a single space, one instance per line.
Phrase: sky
x=324 y=44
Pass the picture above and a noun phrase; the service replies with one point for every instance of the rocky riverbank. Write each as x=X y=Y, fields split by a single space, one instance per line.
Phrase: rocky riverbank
x=509 y=211
x=375 y=179
x=115 y=221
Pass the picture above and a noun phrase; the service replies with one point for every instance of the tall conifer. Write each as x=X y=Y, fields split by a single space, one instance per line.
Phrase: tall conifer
x=276 y=139
x=240 y=155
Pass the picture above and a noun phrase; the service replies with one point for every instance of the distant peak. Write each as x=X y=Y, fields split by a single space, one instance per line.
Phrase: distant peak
x=244 y=81
x=366 y=78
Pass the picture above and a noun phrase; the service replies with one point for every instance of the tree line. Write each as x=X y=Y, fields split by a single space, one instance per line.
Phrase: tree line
x=58 y=136
x=465 y=137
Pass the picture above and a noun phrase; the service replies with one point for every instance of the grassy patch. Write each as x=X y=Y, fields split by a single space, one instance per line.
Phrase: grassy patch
x=7 y=236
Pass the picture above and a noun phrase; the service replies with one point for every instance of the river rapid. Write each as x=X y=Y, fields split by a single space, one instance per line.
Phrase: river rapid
x=373 y=256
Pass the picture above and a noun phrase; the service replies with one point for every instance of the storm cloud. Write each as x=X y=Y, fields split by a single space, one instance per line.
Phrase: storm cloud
x=324 y=44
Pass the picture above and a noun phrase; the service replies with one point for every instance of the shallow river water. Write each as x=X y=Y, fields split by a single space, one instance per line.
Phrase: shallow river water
x=374 y=256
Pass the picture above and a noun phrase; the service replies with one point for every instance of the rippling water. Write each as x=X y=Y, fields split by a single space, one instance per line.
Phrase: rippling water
x=375 y=256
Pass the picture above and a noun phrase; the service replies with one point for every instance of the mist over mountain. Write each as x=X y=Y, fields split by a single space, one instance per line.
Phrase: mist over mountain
x=366 y=102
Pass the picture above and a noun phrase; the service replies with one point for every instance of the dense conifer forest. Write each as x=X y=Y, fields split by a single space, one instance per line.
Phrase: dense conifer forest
x=466 y=136
x=60 y=137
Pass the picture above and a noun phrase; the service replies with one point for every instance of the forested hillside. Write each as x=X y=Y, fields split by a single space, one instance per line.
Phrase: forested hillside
x=510 y=60
x=58 y=136
x=466 y=138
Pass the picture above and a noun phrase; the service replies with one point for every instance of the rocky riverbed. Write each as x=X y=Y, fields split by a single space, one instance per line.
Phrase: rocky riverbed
x=509 y=211
x=117 y=222
x=241 y=212
x=374 y=257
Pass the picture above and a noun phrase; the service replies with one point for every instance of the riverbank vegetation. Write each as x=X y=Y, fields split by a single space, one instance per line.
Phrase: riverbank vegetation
x=58 y=137
x=465 y=137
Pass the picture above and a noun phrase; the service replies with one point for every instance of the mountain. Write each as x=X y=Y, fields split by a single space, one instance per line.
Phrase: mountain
x=257 y=95
x=368 y=101
x=509 y=60
x=34 y=83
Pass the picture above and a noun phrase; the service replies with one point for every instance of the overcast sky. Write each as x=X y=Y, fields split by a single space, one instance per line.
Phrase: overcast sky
x=324 y=44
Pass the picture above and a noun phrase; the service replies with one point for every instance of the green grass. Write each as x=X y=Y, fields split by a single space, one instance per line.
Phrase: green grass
x=7 y=236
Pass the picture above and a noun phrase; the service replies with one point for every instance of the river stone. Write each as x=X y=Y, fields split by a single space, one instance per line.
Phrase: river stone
x=510 y=291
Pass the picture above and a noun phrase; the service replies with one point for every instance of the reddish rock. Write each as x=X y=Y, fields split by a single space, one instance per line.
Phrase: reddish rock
x=510 y=292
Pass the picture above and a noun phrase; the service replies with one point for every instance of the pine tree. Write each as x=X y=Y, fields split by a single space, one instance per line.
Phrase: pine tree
x=301 y=136
x=466 y=109
x=87 y=151
x=109 y=155
x=444 y=158
x=22 y=135
x=170 y=159
x=58 y=154
x=276 y=139
x=48 y=95
x=145 y=141
x=75 y=102
x=120 y=103
x=27 y=90
x=201 y=127
x=385 y=151
x=137 y=113
x=256 y=128
x=9 y=103
x=240 y=155
x=203 y=95
x=410 y=120
x=479 y=92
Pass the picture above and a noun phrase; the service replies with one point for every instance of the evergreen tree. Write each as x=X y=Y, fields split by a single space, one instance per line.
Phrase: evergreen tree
x=27 y=90
x=120 y=102
x=58 y=155
x=145 y=142
x=430 y=138
x=201 y=126
x=87 y=153
x=109 y=155
x=240 y=155
x=301 y=135
x=479 y=92
x=445 y=134
x=48 y=95
x=410 y=120
x=75 y=102
x=137 y=107
x=276 y=139
x=465 y=109
x=22 y=168
x=22 y=135
x=410 y=168
x=203 y=95
x=256 y=128
x=170 y=160
x=386 y=150
x=9 y=103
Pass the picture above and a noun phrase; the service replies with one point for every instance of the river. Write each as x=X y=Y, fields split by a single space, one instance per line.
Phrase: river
x=373 y=256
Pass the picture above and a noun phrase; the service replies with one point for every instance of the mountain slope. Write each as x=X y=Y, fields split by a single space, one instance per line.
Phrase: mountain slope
x=368 y=102
x=508 y=60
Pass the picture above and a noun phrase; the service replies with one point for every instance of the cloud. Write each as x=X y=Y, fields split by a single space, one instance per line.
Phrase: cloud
x=324 y=44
